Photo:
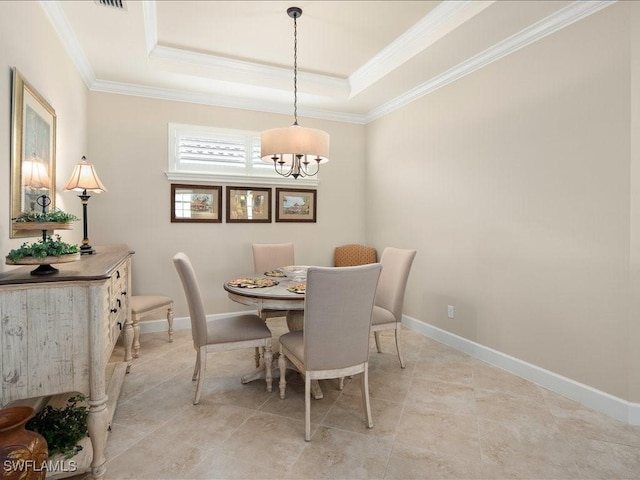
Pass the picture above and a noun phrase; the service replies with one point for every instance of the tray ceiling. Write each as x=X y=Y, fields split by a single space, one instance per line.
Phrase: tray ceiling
x=356 y=59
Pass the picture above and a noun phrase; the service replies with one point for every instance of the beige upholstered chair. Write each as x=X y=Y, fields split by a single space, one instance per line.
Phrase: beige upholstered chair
x=387 y=309
x=149 y=307
x=337 y=324
x=354 y=254
x=226 y=333
x=269 y=256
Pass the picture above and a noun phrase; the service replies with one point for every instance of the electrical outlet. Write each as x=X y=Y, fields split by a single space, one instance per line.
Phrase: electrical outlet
x=451 y=311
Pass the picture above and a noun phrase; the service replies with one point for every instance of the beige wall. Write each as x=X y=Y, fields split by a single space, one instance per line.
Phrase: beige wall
x=634 y=324
x=513 y=185
x=519 y=186
x=128 y=144
x=29 y=43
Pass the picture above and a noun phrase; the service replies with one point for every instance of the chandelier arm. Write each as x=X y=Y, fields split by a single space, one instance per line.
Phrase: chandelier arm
x=297 y=169
x=281 y=171
x=305 y=167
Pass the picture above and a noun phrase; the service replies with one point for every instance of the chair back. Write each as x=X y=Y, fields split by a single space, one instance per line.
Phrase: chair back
x=396 y=265
x=269 y=256
x=354 y=254
x=194 y=298
x=337 y=315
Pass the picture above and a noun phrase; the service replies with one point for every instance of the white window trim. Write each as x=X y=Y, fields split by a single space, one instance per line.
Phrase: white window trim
x=175 y=175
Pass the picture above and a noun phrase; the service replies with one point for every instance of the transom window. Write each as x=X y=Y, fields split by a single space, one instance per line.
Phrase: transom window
x=223 y=155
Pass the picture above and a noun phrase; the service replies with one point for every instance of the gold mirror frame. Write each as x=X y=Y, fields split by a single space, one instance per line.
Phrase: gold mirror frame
x=33 y=139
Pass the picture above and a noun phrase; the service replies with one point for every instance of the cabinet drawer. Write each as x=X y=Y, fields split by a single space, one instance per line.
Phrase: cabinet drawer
x=117 y=305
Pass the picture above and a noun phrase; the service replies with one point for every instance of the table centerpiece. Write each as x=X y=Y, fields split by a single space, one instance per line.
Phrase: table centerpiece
x=44 y=252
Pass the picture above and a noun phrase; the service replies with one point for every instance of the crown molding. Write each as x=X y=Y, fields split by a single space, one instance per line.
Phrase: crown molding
x=252 y=72
x=562 y=18
x=61 y=25
x=426 y=32
x=325 y=85
x=224 y=101
x=150 y=18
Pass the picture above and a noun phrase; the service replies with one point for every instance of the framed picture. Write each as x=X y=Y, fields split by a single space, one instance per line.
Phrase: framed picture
x=196 y=203
x=295 y=205
x=248 y=204
x=33 y=152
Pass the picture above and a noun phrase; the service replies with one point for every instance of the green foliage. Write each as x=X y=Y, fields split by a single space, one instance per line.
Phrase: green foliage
x=51 y=247
x=62 y=428
x=57 y=216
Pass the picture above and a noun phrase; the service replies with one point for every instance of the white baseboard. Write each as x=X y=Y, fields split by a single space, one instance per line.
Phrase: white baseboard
x=154 y=326
x=182 y=323
x=590 y=397
x=603 y=402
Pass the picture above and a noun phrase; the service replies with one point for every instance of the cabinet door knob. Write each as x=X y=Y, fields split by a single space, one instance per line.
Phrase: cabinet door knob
x=119 y=303
x=120 y=325
x=117 y=273
x=114 y=310
x=123 y=293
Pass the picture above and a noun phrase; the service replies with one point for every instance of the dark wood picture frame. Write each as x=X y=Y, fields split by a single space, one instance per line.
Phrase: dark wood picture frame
x=196 y=203
x=248 y=205
x=296 y=205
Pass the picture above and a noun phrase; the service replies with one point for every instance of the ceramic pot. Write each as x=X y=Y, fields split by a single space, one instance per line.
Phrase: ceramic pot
x=23 y=453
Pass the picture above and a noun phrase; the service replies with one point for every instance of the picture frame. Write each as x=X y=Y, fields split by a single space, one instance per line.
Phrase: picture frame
x=33 y=152
x=196 y=203
x=248 y=205
x=296 y=205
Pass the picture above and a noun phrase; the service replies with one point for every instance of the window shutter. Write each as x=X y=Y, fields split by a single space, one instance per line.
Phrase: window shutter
x=220 y=152
x=201 y=153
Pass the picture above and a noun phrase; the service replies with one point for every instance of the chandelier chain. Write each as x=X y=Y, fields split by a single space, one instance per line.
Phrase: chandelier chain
x=295 y=70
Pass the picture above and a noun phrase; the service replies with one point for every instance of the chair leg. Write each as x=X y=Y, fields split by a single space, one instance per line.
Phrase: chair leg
x=268 y=358
x=202 y=361
x=341 y=384
x=365 y=396
x=170 y=322
x=307 y=408
x=377 y=337
x=398 y=330
x=282 y=366
x=196 y=368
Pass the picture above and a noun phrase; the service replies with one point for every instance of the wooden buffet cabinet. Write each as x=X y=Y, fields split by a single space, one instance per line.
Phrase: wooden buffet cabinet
x=58 y=333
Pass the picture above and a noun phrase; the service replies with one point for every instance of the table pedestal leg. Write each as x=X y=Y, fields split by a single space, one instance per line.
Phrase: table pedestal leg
x=295 y=320
x=260 y=372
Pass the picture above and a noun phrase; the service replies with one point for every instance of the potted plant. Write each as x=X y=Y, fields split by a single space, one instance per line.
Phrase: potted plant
x=63 y=427
x=45 y=251
x=52 y=220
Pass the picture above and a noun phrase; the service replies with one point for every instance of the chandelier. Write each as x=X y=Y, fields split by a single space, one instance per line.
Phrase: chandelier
x=294 y=150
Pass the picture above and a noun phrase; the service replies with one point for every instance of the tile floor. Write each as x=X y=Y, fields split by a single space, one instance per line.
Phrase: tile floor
x=446 y=415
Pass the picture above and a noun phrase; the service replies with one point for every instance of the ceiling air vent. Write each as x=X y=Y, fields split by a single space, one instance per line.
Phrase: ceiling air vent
x=119 y=4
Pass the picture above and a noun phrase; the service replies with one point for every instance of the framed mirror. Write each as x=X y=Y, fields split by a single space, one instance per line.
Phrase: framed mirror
x=33 y=152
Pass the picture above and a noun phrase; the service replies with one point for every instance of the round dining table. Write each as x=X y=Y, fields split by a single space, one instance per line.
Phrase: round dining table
x=275 y=297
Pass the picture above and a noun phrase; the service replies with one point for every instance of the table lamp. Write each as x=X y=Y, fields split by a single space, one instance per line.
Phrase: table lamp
x=85 y=178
